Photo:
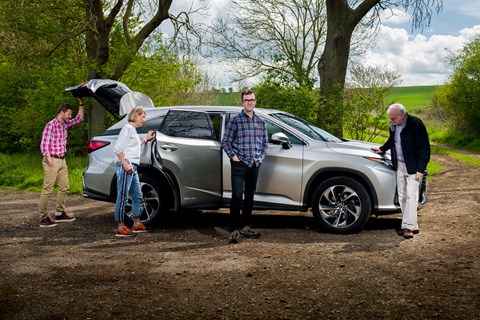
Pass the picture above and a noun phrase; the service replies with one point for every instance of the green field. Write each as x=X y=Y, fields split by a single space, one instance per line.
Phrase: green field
x=412 y=98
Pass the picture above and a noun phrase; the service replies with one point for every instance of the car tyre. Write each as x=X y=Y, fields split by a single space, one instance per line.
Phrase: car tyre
x=152 y=202
x=341 y=205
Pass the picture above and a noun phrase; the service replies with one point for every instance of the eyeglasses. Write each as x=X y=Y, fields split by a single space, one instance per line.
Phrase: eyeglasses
x=395 y=117
x=249 y=100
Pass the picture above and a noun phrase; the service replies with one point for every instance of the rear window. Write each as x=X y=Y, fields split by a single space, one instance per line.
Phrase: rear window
x=187 y=124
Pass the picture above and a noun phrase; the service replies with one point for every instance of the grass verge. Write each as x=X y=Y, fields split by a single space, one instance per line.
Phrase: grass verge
x=25 y=172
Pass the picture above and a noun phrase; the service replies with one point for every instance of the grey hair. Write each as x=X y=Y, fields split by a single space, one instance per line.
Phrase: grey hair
x=398 y=107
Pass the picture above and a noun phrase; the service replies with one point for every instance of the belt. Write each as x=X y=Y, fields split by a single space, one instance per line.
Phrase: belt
x=57 y=157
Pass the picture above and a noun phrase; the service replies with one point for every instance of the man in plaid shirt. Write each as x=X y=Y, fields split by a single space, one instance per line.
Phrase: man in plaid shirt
x=54 y=147
x=245 y=142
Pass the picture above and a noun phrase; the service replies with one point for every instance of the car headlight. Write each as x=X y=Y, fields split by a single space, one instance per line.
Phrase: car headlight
x=385 y=162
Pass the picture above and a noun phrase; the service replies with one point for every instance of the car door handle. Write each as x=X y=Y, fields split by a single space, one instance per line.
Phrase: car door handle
x=169 y=147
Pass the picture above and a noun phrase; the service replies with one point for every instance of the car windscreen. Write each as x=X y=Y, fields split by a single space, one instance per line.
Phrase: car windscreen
x=306 y=127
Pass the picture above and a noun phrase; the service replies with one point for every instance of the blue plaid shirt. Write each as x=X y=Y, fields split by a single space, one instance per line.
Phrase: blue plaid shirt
x=246 y=138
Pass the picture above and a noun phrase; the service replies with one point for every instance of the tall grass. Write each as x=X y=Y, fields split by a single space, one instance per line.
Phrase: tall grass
x=25 y=172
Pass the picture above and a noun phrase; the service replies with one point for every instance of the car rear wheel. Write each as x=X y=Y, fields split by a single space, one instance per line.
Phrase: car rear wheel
x=341 y=205
x=152 y=200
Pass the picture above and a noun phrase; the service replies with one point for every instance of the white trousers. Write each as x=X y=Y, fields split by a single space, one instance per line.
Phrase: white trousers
x=408 y=196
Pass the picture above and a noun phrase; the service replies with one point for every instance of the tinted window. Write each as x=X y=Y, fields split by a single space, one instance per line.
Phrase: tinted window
x=306 y=128
x=151 y=124
x=187 y=124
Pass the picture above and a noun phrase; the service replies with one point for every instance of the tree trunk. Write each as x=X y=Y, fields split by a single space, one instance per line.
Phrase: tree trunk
x=332 y=67
x=98 y=28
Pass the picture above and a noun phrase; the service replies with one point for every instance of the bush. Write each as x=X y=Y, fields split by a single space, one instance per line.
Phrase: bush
x=302 y=102
x=461 y=96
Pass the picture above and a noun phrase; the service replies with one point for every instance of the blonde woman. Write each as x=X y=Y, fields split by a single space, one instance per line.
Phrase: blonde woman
x=127 y=157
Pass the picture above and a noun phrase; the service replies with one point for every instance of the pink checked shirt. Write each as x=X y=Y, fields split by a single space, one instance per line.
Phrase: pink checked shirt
x=54 y=137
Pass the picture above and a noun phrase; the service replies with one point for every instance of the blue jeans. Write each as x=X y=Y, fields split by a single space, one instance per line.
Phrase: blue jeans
x=244 y=183
x=128 y=184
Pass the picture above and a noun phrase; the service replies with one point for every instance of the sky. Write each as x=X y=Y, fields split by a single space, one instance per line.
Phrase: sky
x=419 y=56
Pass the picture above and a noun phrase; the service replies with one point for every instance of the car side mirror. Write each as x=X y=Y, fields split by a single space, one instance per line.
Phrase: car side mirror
x=281 y=138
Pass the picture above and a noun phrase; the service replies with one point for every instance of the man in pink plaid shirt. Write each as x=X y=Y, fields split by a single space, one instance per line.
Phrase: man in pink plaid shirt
x=54 y=148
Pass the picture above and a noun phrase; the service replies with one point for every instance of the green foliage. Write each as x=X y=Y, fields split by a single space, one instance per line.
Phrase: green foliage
x=366 y=113
x=462 y=157
x=460 y=98
x=228 y=99
x=165 y=79
x=301 y=102
x=453 y=138
x=433 y=168
x=331 y=112
x=37 y=64
x=365 y=101
x=24 y=172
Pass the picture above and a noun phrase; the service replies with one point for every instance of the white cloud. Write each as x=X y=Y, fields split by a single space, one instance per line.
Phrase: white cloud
x=420 y=60
x=470 y=33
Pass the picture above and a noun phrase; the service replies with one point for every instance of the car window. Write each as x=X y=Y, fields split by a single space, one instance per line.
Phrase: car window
x=306 y=127
x=188 y=124
x=151 y=124
x=273 y=128
x=217 y=125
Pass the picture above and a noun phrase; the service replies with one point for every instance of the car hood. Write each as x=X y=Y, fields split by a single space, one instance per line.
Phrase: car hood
x=358 y=148
x=114 y=96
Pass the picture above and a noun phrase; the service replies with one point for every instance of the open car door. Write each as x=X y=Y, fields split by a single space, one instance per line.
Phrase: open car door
x=189 y=148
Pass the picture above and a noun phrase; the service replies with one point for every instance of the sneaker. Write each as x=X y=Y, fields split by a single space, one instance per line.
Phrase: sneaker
x=234 y=236
x=125 y=232
x=249 y=233
x=64 y=217
x=47 y=223
x=139 y=228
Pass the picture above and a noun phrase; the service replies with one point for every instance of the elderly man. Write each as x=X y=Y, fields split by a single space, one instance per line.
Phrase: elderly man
x=410 y=149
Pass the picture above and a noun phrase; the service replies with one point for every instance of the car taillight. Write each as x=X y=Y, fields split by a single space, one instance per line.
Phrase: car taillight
x=95 y=145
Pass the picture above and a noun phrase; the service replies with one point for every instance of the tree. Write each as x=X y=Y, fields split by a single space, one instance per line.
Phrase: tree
x=301 y=102
x=365 y=101
x=103 y=37
x=277 y=40
x=461 y=95
x=276 y=37
x=342 y=19
x=43 y=50
x=98 y=28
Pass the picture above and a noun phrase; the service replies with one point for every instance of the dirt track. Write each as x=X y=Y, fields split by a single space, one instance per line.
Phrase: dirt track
x=186 y=270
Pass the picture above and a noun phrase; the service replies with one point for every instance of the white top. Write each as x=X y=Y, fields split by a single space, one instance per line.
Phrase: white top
x=128 y=142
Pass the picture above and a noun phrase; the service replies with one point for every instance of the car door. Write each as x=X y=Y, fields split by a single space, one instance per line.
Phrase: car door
x=191 y=152
x=280 y=179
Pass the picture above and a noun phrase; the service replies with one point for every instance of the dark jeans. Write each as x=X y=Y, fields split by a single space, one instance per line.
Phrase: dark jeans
x=242 y=176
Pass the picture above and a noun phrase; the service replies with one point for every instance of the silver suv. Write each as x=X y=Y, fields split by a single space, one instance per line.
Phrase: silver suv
x=343 y=182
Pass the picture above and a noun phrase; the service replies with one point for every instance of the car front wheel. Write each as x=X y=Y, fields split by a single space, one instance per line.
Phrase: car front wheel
x=341 y=205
